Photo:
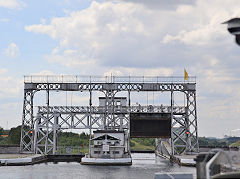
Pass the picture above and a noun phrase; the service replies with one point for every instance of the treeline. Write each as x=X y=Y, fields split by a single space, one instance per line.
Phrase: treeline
x=73 y=139
x=64 y=138
x=142 y=141
x=14 y=135
x=225 y=142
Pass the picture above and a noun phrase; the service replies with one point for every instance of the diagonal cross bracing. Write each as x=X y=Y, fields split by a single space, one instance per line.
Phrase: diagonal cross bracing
x=55 y=118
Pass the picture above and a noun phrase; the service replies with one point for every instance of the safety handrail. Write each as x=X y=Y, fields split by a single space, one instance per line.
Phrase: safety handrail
x=106 y=79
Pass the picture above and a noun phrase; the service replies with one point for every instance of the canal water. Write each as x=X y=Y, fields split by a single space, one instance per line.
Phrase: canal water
x=144 y=166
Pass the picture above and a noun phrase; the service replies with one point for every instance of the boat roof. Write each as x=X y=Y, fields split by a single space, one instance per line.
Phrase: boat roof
x=114 y=98
x=102 y=137
x=107 y=131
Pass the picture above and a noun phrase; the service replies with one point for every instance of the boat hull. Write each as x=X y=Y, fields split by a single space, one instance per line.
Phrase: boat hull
x=102 y=161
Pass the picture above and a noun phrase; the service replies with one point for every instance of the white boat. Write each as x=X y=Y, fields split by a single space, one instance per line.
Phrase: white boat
x=108 y=147
x=107 y=161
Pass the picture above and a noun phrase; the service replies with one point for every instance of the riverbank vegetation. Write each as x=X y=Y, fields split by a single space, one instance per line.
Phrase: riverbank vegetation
x=12 y=136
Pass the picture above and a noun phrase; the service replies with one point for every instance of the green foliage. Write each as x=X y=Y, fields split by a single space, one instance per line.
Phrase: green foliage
x=206 y=141
x=83 y=135
x=4 y=141
x=142 y=144
x=132 y=144
x=1 y=131
x=231 y=140
x=145 y=141
x=235 y=144
x=73 y=139
x=14 y=135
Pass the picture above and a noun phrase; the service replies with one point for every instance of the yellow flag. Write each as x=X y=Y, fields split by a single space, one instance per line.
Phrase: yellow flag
x=185 y=75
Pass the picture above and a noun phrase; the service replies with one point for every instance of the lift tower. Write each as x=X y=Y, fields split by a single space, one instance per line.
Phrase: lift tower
x=39 y=131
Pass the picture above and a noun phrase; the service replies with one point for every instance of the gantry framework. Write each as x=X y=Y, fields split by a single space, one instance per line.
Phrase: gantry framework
x=39 y=132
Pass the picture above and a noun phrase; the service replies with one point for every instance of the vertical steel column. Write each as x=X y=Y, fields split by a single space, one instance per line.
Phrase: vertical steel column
x=47 y=121
x=109 y=110
x=90 y=121
x=128 y=130
x=112 y=107
x=55 y=133
x=27 y=133
x=191 y=123
x=121 y=122
x=195 y=124
x=172 y=134
x=36 y=133
x=187 y=127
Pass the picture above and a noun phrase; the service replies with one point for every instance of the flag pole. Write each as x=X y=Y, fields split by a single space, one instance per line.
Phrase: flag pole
x=184 y=83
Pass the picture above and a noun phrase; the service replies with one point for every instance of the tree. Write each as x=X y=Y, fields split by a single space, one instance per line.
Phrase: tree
x=132 y=144
x=1 y=131
x=14 y=135
x=83 y=135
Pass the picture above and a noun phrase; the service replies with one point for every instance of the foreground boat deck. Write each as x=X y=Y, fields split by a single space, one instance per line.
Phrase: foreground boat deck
x=31 y=159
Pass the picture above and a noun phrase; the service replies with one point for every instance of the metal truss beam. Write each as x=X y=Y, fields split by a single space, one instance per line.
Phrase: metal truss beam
x=51 y=119
x=112 y=86
x=116 y=110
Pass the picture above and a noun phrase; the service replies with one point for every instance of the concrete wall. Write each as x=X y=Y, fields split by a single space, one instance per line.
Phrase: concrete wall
x=9 y=149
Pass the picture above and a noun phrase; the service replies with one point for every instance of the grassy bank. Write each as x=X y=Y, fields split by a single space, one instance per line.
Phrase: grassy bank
x=8 y=137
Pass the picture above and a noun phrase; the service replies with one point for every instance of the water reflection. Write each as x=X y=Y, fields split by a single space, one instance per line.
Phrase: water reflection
x=144 y=166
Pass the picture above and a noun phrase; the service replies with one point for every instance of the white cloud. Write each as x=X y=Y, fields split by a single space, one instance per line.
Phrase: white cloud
x=206 y=28
x=10 y=86
x=12 y=50
x=161 y=4
x=126 y=38
x=10 y=99
x=94 y=31
x=44 y=72
x=3 y=70
x=12 y=4
x=121 y=71
x=126 y=34
x=4 y=20
x=74 y=59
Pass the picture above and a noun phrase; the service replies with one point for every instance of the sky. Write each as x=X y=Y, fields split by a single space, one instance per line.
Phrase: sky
x=124 y=37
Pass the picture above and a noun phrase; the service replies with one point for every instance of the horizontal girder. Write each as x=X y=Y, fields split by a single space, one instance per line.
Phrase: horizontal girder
x=111 y=86
x=115 y=110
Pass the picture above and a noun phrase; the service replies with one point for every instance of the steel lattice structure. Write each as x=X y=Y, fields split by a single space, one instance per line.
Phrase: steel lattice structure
x=39 y=133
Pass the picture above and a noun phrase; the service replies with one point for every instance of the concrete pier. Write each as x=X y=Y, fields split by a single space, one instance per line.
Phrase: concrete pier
x=9 y=149
x=21 y=159
x=184 y=160
x=65 y=158
x=31 y=159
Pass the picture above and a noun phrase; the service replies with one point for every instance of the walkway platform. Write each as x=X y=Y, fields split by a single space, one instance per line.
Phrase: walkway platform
x=184 y=160
x=21 y=159
x=31 y=159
